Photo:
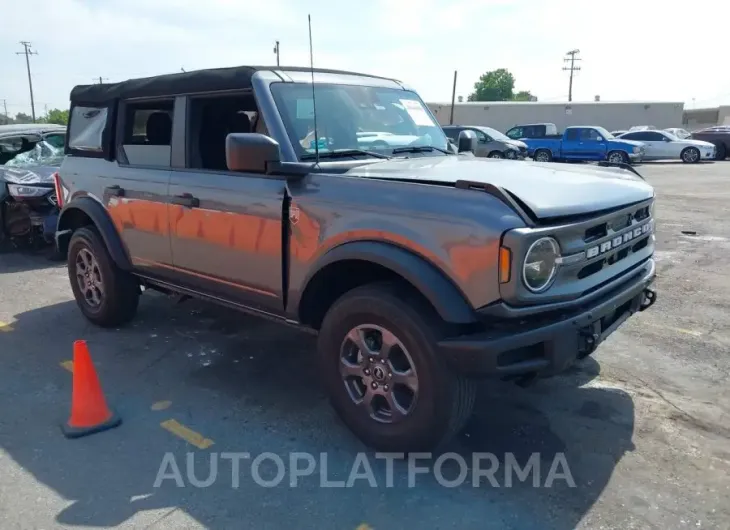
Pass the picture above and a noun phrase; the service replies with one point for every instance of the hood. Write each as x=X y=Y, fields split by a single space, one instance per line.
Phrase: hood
x=635 y=143
x=548 y=189
x=696 y=143
x=515 y=143
x=28 y=175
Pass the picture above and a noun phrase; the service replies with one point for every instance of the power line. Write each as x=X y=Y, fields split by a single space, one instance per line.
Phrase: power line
x=571 y=58
x=28 y=52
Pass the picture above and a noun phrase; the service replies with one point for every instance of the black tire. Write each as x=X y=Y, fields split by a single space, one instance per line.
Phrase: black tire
x=543 y=153
x=495 y=154
x=445 y=400
x=616 y=154
x=690 y=155
x=120 y=289
x=720 y=152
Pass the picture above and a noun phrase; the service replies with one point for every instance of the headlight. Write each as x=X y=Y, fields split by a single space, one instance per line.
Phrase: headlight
x=17 y=190
x=540 y=266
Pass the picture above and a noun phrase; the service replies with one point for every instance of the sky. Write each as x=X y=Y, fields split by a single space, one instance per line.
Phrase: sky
x=630 y=49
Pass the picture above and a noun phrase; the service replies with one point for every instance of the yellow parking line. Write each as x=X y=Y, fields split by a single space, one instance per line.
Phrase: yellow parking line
x=161 y=405
x=68 y=365
x=5 y=327
x=189 y=435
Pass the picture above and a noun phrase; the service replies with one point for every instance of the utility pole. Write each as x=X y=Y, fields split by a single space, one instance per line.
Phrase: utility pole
x=571 y=58
x=101 y=79
x=28 y=52
x=276 y=51
x=453 y=98
x=5 y=106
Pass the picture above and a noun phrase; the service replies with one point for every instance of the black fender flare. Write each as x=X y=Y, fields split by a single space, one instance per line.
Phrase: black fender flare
x=448 y=300
x=103 y=223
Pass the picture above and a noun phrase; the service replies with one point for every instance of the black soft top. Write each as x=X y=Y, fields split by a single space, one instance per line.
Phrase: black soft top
x=212 y=80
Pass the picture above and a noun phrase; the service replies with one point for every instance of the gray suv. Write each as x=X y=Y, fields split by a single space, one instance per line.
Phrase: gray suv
x=490 y=142
x=420 y=269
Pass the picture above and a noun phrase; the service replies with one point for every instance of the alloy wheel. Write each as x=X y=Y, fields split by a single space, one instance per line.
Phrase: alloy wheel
x=88 y=277
x=378 y=373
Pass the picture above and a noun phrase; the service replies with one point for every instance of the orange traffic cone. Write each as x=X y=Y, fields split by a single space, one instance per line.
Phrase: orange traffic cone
x=89 y=411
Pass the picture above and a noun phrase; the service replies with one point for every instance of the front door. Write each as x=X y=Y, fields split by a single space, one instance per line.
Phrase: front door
x=227 y=235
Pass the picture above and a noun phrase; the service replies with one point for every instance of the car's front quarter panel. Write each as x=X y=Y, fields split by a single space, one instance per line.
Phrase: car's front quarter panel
x=457 y=231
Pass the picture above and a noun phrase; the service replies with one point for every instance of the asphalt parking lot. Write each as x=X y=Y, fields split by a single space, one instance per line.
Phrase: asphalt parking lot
x=644 y=425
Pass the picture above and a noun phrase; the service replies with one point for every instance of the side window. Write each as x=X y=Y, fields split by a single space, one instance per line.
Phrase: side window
x=655 y=137
x=452 y=133
x=56 y=140
x=630 y=136
x=572 y=135
x=86 y=129
x=515 y=133
x=640 y=136
x=481 y=137
x=589 y=135
x=147 y=132
x=211 y=120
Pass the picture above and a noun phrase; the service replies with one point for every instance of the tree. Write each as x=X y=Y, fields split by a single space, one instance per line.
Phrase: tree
x=55 y=116
x=21 y=117
x=497 y=85
x=523 y=95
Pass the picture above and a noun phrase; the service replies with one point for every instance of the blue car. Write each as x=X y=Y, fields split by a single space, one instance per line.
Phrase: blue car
x=585 y=144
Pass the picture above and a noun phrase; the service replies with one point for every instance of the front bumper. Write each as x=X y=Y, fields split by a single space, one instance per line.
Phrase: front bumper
x=708 y=154
x=545 y=346
x=636 y=157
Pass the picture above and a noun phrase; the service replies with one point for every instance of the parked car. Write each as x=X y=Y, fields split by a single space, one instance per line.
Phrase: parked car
x=584 y=144
x=718 y=136
x=616 y=134
x=642 y=128
x=661 y=145
x=533 y=130
x=29 y=155
x=679 y=133
x=419 y=270
x=490 y=142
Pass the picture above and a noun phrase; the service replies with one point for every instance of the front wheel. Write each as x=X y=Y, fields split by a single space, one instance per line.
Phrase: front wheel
x=618 y=157
x=691 y=155
x=543 y=155
x=377 y=347
x=106 y=295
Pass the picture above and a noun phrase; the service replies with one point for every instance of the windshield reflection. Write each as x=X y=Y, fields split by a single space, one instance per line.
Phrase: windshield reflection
x=358 y=119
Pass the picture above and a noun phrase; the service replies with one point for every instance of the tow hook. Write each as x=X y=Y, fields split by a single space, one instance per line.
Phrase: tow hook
x=649 y=299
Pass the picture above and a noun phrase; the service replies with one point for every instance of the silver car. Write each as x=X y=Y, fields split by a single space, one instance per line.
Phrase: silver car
x=490 y=142
x=661 y=145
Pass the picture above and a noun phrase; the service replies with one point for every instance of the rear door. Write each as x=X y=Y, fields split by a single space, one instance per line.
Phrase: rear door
x=135 y=191
x=226 y=226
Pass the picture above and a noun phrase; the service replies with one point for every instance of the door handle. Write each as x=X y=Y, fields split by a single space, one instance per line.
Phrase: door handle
x=114 y=191
x=186 y=199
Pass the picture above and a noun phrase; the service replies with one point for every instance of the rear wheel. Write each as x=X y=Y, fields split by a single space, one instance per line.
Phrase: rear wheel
x=106 y=295
x=377 y=347
x=618 y=157
x=543 y=155
x=691 y=155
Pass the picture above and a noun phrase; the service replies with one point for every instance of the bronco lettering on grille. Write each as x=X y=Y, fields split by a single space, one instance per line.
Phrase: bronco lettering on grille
x=617 y=241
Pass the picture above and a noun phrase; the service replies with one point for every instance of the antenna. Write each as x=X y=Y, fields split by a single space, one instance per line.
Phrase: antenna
x=314 y=105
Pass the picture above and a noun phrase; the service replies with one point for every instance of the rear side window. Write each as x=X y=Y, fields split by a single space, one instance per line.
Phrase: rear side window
x=86 y=129
x=452 y=133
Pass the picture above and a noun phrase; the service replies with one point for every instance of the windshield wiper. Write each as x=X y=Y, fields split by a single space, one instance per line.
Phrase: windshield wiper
x=343 y=152
x=419 y=149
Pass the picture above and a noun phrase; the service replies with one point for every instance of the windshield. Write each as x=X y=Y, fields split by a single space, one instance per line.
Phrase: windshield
x=603 y=132
x=42 y=154
x=349 y=117
x=494 y=134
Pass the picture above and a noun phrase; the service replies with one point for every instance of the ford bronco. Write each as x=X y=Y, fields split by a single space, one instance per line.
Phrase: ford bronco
x=421 y=269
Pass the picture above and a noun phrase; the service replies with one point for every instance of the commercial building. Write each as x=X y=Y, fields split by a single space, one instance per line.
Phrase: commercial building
x=700 y=118
x=502 y=115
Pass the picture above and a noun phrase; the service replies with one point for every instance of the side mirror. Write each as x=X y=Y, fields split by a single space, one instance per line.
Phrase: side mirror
x=599 y=139
x=467 y=141
x=251 y=152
